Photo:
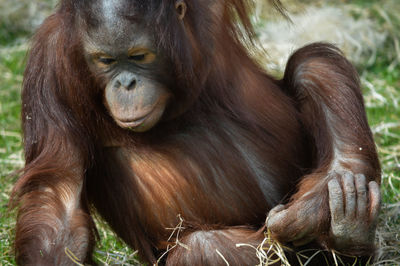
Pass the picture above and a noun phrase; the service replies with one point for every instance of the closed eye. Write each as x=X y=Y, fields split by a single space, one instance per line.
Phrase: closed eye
x=138 y=57
x=142 y=56
x=102 y=60
x=106 y=60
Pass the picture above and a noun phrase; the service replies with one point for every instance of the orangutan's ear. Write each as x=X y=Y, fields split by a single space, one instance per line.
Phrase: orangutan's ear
x=181 y=8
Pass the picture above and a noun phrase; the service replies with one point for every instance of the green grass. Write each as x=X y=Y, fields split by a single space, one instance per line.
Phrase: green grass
x=382 y=95
x=384 y=117
x=11 y=67
x=381 y=85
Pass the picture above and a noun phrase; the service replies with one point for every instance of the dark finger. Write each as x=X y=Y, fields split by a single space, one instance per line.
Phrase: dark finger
x=276 y=209
x=350 y=195
x=276 y=216
x=289 y=224
x=335 y=200
x=362 y=199
x=375 y=200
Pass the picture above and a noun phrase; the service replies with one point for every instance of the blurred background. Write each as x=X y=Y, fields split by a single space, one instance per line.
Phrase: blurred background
x=368 y=31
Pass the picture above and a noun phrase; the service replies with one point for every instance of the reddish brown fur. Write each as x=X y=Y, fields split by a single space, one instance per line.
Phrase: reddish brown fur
x=235 y=127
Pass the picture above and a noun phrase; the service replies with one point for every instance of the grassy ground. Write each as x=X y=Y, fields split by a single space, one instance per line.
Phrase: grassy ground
x=381 y=85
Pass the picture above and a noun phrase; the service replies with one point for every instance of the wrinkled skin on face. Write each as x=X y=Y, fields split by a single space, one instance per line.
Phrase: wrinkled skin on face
x=122 y=53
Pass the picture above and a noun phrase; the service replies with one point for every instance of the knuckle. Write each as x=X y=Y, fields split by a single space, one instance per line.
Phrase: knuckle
x=273 y=221
x=334 y=187
x=336 y=218
x=361 y=177
x=350 y=191
x=348 y=175
x=274 y=227
x=335 y=193
x=362 y=192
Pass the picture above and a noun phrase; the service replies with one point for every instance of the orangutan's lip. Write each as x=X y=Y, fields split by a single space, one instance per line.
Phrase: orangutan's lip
x=134 y=122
